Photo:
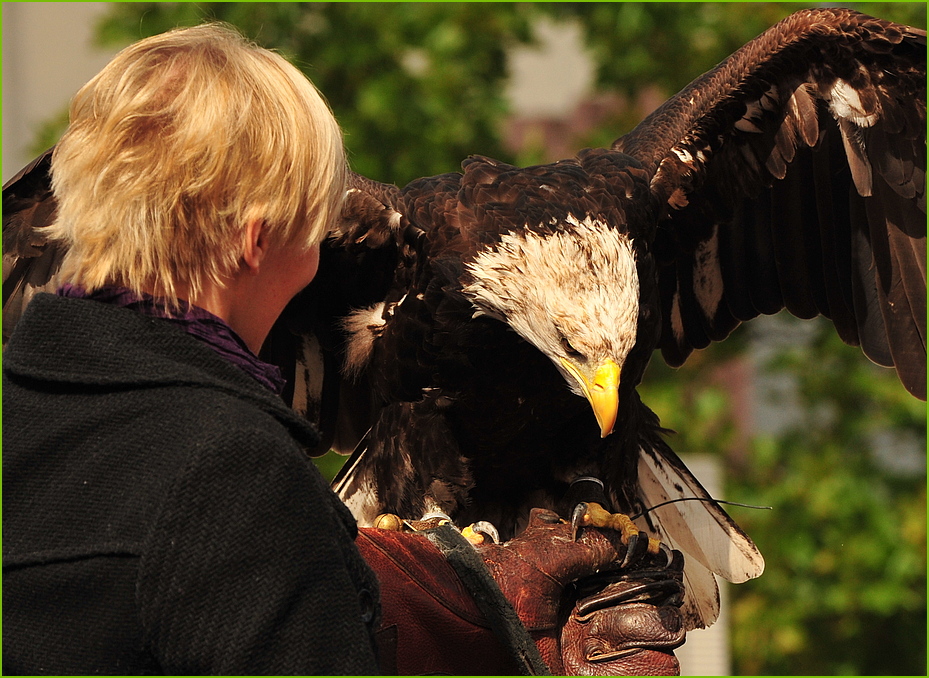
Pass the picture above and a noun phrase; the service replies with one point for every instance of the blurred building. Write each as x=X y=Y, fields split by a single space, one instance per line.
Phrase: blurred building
x=47 y=55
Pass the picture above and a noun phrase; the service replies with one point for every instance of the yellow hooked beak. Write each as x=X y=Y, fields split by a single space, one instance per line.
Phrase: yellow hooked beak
x=602 y=391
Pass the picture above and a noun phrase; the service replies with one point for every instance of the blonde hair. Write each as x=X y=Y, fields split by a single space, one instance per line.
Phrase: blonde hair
x=179 y=142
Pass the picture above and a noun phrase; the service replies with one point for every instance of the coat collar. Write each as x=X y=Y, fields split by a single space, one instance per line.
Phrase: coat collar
x=76 y=343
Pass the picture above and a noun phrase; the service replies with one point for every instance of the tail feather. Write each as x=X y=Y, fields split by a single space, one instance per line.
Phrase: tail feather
x=701 y=595
x=709 y=539
x=701 y=528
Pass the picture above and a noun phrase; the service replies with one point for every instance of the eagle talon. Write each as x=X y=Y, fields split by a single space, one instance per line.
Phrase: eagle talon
x=478 y=533
x=437 y=517
x=635 y=549
x=637 y=542
x=654 y=546
x=578 y=517
x=667 y=552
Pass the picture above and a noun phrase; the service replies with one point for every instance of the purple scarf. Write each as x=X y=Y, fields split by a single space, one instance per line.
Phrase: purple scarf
x=198 y=322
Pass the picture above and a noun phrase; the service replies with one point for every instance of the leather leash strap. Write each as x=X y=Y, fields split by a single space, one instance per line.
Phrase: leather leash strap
x=501 y=616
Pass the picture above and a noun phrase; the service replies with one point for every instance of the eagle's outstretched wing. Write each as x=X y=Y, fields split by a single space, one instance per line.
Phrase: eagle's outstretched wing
x=793 y=176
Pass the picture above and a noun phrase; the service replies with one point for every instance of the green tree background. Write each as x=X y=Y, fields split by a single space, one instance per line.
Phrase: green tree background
x=418 y=87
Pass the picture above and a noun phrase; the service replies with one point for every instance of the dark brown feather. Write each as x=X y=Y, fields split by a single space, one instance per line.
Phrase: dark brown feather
x=783 y=139
x=30 y=264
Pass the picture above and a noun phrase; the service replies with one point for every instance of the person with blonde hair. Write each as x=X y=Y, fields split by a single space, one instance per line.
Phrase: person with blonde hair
x=160 y=514
x=183 y=157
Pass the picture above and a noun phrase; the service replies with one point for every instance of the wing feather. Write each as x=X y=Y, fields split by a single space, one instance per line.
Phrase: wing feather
x=359 y=265
x=30 y=263
x=806 y=151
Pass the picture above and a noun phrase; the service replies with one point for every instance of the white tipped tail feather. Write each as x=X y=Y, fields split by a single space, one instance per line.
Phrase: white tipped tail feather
x=709 y=539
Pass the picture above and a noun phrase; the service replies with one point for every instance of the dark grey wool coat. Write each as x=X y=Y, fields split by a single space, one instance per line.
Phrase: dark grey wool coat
x=160 y=514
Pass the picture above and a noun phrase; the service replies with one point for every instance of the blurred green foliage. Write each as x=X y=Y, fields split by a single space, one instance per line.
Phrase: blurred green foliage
x=418 y=87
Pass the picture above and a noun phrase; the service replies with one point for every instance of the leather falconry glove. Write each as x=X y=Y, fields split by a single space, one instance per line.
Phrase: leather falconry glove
x=446 y=615
x=624 y=621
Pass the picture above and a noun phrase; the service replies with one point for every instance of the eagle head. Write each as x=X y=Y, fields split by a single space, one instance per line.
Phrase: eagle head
x=573 y=293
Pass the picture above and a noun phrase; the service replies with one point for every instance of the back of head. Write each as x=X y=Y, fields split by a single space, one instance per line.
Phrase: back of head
x=175 y=145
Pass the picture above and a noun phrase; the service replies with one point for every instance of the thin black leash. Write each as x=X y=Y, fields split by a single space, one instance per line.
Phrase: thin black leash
x=707 y=499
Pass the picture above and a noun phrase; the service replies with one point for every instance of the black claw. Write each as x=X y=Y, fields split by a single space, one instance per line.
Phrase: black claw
x=635 y=549
x=577 y=517
x=677 y=561
x=668 y=554
x=631 y=546
x=485 y=527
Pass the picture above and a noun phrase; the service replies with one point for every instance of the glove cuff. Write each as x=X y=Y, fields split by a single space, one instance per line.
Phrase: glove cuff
x=474 y=574
x=431 y=622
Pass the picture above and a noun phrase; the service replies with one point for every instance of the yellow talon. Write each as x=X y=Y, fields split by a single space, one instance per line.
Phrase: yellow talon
x=475 y=538
x=596 y=516
x=624 y=525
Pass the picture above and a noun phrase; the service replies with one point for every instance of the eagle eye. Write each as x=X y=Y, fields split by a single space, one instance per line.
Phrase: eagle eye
x=569 y=349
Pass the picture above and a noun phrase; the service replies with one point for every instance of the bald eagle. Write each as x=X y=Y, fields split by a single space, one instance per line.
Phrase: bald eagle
x=475 y=339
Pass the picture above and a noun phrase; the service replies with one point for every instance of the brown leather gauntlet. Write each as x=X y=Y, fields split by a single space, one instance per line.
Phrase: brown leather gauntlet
x=586 y=615
x=431 y=623
x=629 y=627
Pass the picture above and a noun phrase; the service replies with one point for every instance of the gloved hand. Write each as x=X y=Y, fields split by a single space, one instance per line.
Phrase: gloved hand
x=624 y=622
x=586 y=615
x=630 y=627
